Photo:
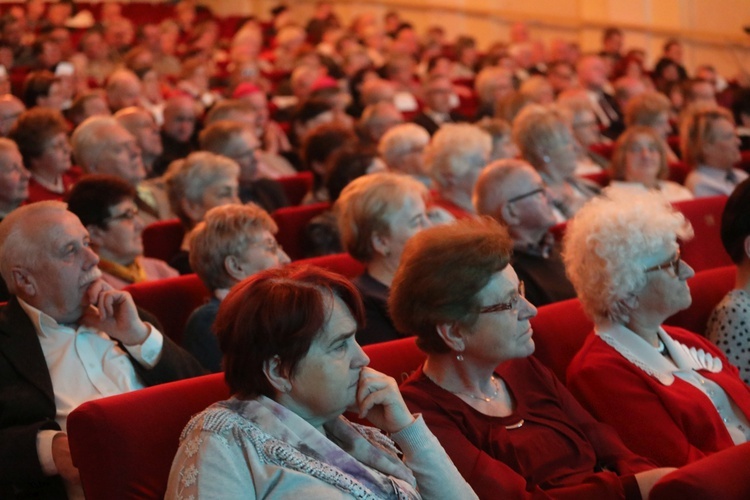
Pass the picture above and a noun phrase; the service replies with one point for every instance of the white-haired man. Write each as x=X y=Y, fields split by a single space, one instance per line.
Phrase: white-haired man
x=66 y=337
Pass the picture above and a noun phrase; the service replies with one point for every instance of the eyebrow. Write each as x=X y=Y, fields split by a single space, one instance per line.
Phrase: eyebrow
x=342 y=336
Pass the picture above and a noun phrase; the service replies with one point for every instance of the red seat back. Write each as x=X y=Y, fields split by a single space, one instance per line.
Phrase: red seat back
x=707 y=288
x=605 y=149
x=292 y=222
x=559 y=332
x=296 y=186
x=396 y=358
x=124 y=445
x=601 y=178
x=171 y=300
x=341 y=263
x=678 y=172
x=162 y=239
x=705 y=250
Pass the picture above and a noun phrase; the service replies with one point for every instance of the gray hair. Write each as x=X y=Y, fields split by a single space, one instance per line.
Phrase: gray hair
x=455 y=149
x=606 y=244
x=400 y=140
x=87 y=140
x=493 y=188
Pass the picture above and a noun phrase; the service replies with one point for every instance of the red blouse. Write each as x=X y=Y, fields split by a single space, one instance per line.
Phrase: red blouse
x=37 y=192
x=672 y=425
x=559 y=452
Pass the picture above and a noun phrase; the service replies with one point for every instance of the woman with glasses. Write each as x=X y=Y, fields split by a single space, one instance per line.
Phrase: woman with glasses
x=106 y=206
x=508 y=424
x=639 y=164
x=671 y=395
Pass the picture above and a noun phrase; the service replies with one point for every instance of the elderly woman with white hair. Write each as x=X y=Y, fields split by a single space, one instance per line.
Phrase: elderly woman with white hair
x=672 y=396
x=232 y=243
x=585 y=128
x=402 y=149
x=377 y=215
x=195 y=185
x=455 y=158
x=547 y=143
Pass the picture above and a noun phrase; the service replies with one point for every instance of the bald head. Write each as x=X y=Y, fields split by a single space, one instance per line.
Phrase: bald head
x=123 y=89
x=179 y=118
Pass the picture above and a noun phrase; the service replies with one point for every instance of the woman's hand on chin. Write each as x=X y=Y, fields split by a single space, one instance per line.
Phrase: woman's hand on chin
x=380 y=402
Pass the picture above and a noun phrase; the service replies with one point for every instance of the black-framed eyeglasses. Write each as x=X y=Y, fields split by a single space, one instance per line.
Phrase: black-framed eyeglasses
x=506 y=306
x=527 y=195
x=673 y=263
x=129 y=214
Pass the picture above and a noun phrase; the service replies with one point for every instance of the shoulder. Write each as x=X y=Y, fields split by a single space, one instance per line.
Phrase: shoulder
x=158 y=269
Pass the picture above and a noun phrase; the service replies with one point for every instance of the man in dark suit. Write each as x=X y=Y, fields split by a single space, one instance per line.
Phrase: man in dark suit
x=592 y=76
x=437 y=110
x=66 y=337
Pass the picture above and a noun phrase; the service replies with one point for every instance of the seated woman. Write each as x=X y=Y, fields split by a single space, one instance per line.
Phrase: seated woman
x=547 y=143
x=377 y=215
x=14 y=178
x=106 y=206
x=651 y=109
x=232 y=243
x=729 y=325
x=508 y=424
x=195 y=185
x=670 y=394
x=585 y=128
x=293 y=367
x=42 y=137
x=456 y=155
x=639 y=163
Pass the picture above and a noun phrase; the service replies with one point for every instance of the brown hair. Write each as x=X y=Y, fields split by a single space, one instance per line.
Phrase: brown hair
x=442 y=270
x=618 y=167
x=277 y=312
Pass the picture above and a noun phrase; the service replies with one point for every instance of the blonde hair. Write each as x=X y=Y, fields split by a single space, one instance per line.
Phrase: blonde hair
x=645 y=109
x=366 y=207
x=696 y=129
x=618 y=167
x=226 y=230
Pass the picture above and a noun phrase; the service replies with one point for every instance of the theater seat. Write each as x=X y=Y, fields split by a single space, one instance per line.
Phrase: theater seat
x=705 y=250
x=296 y=186
x=605 y=149
x=162 y=239
x=397 y=358
x=707 y=288
x=171 y=300
x=678 y=172
x=341 y=263
x=123 y=445
x=292 y=222
x=559 y=332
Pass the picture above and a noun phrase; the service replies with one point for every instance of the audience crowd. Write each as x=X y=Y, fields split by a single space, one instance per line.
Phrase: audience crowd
x=471 y=186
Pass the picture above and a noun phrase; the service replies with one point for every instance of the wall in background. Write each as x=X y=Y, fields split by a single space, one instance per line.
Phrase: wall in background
x=710 y=30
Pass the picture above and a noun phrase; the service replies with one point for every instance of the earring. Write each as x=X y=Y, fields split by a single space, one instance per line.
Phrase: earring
x=546 y=159
x=460 y=356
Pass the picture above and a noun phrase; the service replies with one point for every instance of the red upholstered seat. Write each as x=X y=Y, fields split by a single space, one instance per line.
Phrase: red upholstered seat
x=341 y=263
x=171 y=300
x=559 y=332
x=744 y=163
x=678 y=172
x=707 y=288
x=705 y=250
x=397 y=358
x=123 y=445
x=162 y=239
x=296 y=186
x=291 y=222
x=601 y=178
x=605 y=149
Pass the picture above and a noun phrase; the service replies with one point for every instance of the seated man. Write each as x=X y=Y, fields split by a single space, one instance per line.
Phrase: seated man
x=437 y=111
x=177 y=132
x=236 y=140
x=710 y=147
x=67 y=338
x=513 y=193
x=106 y=206
x=233 y=242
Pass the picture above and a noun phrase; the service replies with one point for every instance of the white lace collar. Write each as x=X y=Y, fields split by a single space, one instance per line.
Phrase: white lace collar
x=646 y=357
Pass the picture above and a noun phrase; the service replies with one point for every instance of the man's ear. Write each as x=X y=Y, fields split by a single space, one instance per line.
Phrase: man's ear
x=509 y=214
x=233 y=267
x=277 y=375
x=24 y=282
x=452 y=336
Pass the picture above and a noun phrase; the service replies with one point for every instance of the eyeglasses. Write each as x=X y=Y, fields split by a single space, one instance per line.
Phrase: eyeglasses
x=507 y=306
x=129 y=214
x=528 y=195
x=673 y=263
